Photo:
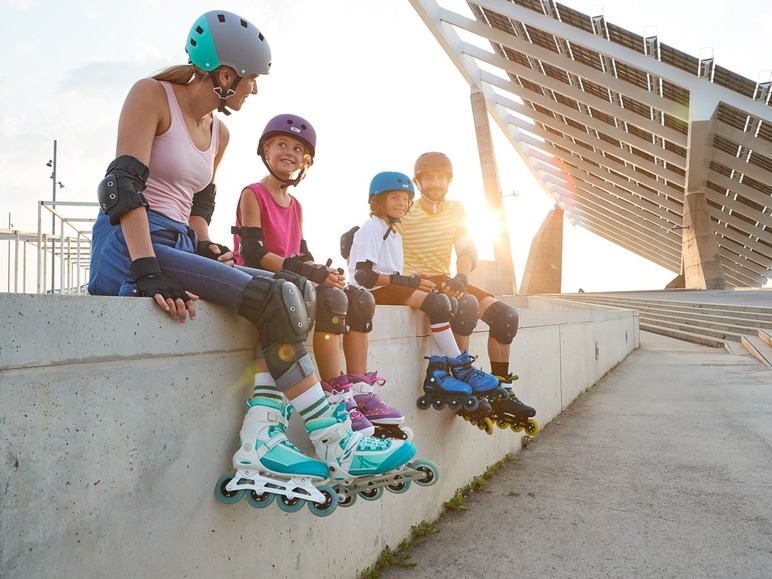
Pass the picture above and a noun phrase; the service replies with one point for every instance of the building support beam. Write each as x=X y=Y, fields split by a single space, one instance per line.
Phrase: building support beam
x=502 y=251
x=544 y=269
x=702 y=264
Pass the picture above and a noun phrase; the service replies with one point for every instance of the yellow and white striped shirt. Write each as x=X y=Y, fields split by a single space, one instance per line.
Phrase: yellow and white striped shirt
x=427 y=239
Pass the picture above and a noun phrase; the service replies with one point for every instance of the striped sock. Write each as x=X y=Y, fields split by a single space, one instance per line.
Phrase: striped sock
x=312 y=403
x=265 y=387
x=444 y=341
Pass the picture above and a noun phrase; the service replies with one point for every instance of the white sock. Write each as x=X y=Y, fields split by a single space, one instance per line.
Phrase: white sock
x=312 y=403
x=265 y=387
x=444 y=341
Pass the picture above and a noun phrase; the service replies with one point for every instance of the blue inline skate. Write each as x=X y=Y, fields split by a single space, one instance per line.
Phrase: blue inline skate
x=441 y=388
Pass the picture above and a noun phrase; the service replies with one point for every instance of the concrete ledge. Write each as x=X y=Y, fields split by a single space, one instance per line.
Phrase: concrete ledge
x=117 y=421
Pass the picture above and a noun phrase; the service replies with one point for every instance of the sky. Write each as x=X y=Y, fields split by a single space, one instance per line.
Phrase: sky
x=368 y=74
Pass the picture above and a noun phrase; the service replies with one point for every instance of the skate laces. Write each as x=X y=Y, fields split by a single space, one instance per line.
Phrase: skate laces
x=373 y=444
x=353 y=413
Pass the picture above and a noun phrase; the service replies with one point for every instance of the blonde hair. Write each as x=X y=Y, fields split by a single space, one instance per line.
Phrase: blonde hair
x=180 y=74
x=378 y=205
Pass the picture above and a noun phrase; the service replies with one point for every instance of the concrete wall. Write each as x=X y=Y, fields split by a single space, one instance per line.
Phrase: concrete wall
x=116 y=422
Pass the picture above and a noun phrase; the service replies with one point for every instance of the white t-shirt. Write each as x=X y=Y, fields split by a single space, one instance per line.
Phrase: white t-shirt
x=369 y=245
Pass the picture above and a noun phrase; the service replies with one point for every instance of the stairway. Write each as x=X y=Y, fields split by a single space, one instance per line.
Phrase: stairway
x=721 y=325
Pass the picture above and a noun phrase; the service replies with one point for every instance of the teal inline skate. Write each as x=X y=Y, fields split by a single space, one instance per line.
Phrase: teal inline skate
x=362 y=465
x=268 y=466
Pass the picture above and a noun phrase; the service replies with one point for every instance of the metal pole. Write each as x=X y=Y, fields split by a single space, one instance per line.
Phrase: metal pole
x=41 y=251
x=9 y=254
x=53 y=225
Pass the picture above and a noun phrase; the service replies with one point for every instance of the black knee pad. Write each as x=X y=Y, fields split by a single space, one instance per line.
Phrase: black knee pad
x=361 y=309
x=306 y=289
x=503 y=321
x=331 y=306
x=437 y=307
x=277 y=309
x=465 y=318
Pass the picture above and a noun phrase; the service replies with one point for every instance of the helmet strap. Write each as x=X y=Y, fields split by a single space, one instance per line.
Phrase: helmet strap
x=392 y=222
x=223 y=95
x=285 y=182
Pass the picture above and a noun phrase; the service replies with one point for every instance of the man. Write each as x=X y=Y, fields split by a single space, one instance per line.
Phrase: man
x=431 y=229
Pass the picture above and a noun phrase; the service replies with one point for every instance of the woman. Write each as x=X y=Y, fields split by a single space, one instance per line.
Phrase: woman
x=151 y=239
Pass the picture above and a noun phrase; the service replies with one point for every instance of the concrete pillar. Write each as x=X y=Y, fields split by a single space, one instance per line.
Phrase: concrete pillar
x=501 y=247
x=544 y=269
x=699 y=249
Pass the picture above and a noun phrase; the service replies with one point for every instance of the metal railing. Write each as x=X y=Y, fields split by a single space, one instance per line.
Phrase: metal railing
x=61 y=259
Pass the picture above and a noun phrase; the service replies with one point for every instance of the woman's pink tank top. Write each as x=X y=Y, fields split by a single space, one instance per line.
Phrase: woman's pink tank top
x=178 y=169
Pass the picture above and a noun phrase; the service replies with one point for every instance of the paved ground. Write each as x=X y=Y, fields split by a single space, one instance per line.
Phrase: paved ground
x=663 y=469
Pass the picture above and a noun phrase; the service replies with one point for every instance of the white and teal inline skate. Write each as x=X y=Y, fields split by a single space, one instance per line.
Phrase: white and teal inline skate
x=268 y=466
x=362 y=465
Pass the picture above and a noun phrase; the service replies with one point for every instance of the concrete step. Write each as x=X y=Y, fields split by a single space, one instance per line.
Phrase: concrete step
x=759 y=349
x=732 y=329
x=714 y=325
x=679 y=334
x=757 y=317
x=766 y=336
x=751 y=312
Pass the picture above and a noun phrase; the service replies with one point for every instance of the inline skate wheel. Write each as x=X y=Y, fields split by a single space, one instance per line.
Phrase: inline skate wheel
x=289 y=505
x=345 y=500
x=423 y=403
x=454 y=405
x=328 y=506
x=517 y=427
x=407 y=433
x=258 y=500
x=438 y=404
x=487 y=426
x=431 y=474
x=532 y=427
x=223 y=494
x=471 y=403
x=399 y=486
x=371 y=493
x=503 y=424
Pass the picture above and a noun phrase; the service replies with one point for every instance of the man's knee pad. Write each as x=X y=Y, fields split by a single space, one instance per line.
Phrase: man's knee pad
x=306 y=289
x=503 y=321
x=277 y=310
x=466 y=316
x=331 y=306
x=437 y=307
x=361 y=309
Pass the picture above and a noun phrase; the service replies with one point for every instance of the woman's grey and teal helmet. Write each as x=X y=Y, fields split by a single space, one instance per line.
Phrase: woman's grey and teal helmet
x=222 y=38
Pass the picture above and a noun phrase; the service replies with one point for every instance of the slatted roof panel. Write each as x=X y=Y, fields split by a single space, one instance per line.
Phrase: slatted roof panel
x=604 y=118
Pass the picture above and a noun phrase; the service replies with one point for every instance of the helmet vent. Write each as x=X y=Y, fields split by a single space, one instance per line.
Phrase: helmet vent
x=221 y=17
x=199 y=30
x=192 y=42
x=244 y=24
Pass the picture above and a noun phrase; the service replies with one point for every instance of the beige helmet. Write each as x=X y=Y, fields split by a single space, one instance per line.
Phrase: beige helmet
x=433 y=161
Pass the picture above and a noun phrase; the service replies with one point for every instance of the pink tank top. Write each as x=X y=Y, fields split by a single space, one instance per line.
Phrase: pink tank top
x=282 y=226
x=178 y=169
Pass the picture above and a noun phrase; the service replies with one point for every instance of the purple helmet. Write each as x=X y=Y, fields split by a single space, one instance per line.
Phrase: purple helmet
x=293 y=126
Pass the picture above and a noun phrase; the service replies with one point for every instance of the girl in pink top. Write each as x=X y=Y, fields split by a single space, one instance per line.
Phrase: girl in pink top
x=269 y=236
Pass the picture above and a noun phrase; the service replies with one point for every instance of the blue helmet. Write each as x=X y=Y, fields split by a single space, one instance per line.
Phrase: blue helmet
x=391 y=181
